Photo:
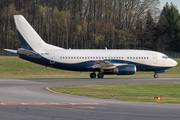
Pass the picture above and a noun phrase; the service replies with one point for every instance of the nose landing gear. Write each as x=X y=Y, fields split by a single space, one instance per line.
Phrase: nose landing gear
x=155 y=75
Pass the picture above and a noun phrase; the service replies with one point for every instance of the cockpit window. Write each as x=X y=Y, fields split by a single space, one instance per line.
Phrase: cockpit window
x=165 y=57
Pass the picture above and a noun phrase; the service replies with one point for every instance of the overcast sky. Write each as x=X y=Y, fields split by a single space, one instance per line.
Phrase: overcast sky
x=175 y=3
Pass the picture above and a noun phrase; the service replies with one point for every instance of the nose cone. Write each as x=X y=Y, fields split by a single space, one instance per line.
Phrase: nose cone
x=174 y=63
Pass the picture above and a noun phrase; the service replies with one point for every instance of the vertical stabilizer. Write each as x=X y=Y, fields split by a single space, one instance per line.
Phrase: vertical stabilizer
x=28 y=36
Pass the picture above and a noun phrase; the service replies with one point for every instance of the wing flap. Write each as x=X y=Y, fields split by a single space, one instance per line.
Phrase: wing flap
x=103 y=65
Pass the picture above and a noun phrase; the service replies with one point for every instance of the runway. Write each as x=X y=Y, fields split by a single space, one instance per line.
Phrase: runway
x=29 y=93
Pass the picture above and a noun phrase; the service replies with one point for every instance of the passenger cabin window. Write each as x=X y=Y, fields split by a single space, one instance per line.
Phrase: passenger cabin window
x=165 y=57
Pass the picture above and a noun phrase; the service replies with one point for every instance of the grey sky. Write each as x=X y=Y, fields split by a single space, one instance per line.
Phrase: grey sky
x=175 y=3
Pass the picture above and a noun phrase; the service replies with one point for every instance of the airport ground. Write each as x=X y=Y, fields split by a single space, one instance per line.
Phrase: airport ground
x=25 y=95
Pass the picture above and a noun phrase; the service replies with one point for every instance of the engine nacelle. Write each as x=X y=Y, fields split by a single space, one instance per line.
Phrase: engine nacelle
x=125 y=70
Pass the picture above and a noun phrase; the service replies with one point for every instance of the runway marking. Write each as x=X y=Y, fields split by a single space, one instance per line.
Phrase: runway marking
x=51 y=104
x=90 y=107
x=120 y=113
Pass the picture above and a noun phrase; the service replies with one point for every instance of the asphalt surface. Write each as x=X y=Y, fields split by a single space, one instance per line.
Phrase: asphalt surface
x=33 y=91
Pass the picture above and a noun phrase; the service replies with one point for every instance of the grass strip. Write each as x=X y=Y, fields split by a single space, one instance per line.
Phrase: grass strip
x=129 y=92
x=14 y=67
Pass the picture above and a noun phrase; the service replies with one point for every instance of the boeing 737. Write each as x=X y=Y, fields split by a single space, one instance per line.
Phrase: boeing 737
x=105 y=62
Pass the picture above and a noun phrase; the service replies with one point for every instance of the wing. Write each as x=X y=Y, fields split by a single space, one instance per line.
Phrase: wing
x=101 y=64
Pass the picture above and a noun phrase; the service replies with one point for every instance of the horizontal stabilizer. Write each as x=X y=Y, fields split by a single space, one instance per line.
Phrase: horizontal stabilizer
x=10 y=50
x=26 y=52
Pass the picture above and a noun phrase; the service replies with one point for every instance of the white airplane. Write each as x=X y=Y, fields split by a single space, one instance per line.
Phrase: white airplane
x=105 y=62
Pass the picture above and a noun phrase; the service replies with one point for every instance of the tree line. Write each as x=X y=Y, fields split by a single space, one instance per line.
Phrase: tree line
x=94 y=24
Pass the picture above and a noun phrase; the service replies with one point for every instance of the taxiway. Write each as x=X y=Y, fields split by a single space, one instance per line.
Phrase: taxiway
x=34 y=91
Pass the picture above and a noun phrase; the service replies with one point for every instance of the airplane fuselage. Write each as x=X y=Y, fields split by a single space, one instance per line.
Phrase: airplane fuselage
x=82 y=60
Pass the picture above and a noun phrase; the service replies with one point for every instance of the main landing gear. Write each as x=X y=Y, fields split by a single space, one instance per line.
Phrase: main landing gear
x=99 y=75
x=93 y=75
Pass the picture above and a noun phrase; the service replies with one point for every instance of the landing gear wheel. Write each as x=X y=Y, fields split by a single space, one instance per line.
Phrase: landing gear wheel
x=155 y=76
x=100 y=75
x=93 y=75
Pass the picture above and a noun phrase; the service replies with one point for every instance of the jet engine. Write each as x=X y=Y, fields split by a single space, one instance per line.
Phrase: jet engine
x=121 y=70
x=125 y=70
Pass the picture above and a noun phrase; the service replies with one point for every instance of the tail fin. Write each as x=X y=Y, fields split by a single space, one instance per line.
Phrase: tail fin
x=28 y=36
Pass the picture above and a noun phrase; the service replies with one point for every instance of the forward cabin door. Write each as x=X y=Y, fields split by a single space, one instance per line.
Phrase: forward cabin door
x=52 y=58
x=154 y=59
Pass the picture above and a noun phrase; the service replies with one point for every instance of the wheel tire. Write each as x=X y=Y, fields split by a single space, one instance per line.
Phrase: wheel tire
x=100 y=75
x=93 y=75
x=155 y=76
